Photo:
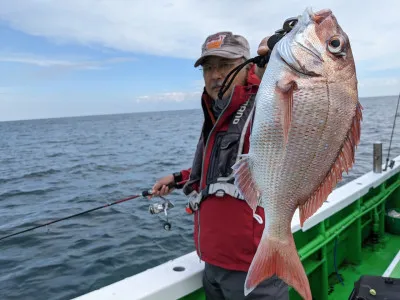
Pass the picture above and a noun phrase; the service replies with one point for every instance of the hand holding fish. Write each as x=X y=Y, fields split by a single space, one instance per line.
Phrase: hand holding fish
x=263 y=47
x=262 y=50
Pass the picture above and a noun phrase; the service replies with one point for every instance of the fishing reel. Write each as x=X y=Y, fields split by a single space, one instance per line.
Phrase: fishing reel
x=162 y=206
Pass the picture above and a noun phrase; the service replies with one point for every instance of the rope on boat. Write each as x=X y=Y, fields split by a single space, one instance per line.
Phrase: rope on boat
x=390 y=144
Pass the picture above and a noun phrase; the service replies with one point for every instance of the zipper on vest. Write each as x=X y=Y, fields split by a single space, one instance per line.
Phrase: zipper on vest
x=202 y=167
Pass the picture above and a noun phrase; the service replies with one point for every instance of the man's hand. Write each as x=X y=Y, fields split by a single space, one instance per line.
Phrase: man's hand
x=262 y=50
x=263 y=47
x=160 y=188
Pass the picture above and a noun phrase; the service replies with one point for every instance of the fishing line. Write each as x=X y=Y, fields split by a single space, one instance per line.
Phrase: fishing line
x=261 y=61
x=391 y=137
x=153 y=209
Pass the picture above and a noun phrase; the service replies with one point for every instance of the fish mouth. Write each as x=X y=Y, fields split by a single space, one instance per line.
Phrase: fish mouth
x=285 y=53
x=284 y=50
x=321 y=15
x=317 y=17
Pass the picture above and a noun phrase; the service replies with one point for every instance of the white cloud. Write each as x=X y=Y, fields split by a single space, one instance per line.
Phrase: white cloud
x=178 y=28
x=75 y=64
x=18 y=105
x=385 y=86
x=169 y=97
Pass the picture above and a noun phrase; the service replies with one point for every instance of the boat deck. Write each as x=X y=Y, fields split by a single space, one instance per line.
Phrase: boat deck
x=375 y=260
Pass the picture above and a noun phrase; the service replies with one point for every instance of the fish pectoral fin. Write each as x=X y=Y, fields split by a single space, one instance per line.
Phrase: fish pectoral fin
x=284 y=90
x=343 y=162
x=278 y=257
x=245 y=183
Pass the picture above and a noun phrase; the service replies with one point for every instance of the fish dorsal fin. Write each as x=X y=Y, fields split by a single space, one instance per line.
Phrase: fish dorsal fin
x=343 y=162
x=284 y=90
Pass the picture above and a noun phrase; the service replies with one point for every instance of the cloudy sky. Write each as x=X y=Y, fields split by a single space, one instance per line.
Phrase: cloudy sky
x=82 y=57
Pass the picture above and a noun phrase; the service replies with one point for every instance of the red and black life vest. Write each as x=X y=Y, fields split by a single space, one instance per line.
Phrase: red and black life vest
x=220 y=144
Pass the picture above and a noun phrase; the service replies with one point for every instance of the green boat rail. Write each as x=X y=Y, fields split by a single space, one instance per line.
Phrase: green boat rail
x=355 y=232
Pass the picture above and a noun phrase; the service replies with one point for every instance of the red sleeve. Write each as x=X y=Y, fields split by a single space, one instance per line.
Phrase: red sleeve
x=186 y=174
x=252 y=78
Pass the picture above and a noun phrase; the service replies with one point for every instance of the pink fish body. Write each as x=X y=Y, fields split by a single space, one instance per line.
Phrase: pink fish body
x=305 y=130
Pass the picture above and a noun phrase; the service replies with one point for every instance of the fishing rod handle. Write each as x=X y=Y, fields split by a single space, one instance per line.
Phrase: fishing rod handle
x=149 y=193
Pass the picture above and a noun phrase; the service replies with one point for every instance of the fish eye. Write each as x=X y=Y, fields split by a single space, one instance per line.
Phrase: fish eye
x=336 y=45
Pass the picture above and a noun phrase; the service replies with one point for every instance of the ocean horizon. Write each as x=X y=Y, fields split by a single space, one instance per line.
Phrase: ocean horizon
x=147 y=111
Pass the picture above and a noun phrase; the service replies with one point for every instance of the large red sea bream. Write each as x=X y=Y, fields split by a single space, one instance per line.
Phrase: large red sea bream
x=306 y=127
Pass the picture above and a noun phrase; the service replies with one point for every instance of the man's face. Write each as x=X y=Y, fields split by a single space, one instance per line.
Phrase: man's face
x=215 y=70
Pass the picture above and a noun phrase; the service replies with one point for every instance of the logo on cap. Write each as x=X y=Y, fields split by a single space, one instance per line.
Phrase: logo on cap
x=215 y=42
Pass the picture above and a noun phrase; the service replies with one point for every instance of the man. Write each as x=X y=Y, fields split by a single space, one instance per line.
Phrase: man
x=226 y=233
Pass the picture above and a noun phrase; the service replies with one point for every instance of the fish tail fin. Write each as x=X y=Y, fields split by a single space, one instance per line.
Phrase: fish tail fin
x=244 y=181
x=278 y=257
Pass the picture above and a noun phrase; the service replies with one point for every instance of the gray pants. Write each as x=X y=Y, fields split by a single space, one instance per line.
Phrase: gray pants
x=219 y=283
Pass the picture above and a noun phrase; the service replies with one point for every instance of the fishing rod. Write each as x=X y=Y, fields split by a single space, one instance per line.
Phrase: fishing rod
x=390 y=144
x=154 y=208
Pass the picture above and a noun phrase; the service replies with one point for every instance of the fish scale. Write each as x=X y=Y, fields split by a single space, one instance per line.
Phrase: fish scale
x=305 y=129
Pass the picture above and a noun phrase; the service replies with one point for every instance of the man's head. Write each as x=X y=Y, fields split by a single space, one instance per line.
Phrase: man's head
x=221 y=52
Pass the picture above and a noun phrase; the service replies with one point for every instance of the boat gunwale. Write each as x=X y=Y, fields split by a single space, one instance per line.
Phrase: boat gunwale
x=162 y=282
